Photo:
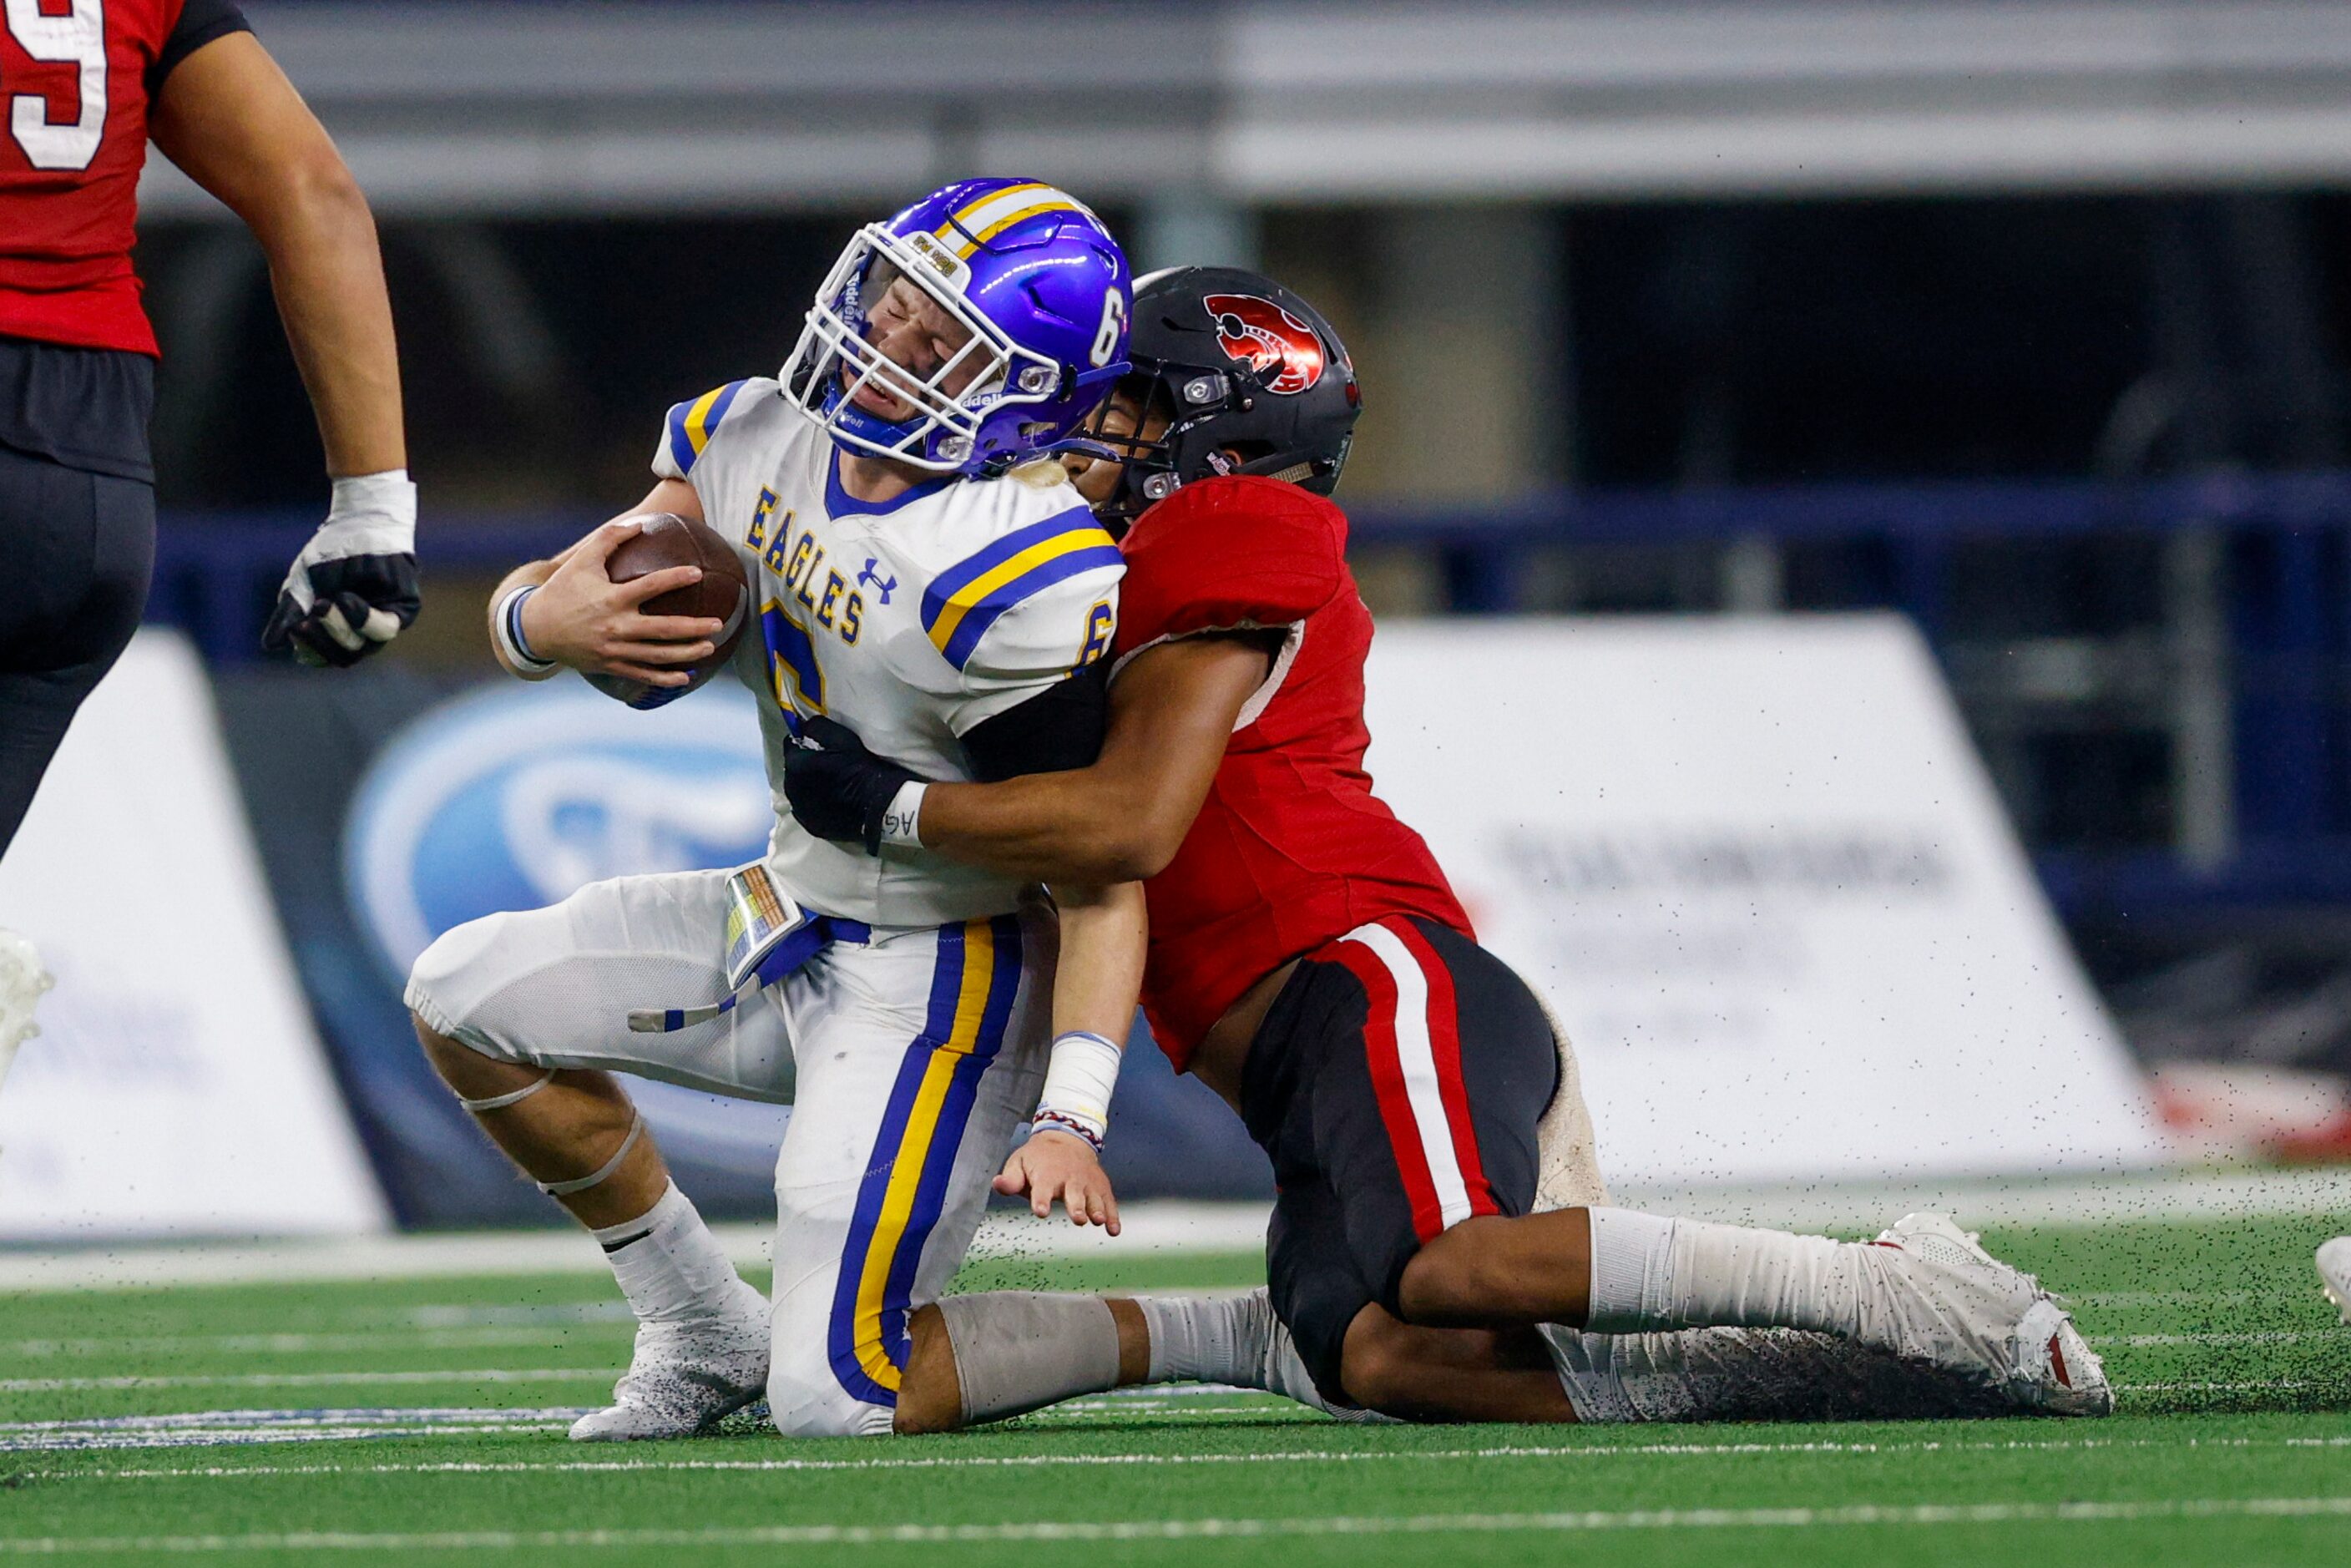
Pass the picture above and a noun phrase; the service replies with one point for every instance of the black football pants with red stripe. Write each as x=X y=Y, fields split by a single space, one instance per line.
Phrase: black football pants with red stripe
x=81 y=546
x=1395 y=1083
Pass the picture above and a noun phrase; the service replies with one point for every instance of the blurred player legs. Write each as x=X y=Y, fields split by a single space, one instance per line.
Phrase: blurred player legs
x=86 y=546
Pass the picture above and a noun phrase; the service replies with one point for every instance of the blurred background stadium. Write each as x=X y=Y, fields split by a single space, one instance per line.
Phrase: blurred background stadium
x=2026 y=320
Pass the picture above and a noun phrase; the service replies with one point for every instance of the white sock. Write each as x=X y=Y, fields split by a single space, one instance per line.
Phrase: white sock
x=1018 y=1351
x=1653 y=1273
x=1203 y=1339
x=669 y=1265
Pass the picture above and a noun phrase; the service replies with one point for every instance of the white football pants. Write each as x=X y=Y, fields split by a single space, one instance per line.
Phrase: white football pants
x=910 y=1061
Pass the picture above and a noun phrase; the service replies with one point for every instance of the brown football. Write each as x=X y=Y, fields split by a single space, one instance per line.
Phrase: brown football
x=723 y=594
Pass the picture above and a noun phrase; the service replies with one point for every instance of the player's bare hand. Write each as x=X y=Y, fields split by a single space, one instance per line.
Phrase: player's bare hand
x=1060 y=1167
x=581 y=617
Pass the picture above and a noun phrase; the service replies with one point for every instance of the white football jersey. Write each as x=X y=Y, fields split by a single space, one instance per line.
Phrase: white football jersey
x=911 y=621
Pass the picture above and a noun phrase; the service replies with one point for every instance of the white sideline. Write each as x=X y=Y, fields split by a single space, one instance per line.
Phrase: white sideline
x=1928 y=1515
x=1178 y=1227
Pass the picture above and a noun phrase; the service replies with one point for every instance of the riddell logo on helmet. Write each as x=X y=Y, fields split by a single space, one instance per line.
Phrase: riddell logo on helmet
x=1261 y=335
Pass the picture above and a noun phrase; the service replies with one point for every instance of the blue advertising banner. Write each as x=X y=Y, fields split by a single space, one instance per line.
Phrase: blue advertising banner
x=448 y=806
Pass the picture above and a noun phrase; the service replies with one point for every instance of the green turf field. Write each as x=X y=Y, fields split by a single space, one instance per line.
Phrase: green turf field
x=422 y=1421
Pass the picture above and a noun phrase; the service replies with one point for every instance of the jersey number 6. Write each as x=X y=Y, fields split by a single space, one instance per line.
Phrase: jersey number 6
x=78 y=37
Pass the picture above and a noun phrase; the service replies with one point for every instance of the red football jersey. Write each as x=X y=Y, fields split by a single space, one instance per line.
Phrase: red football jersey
x=74 y=73
x=1292 y=849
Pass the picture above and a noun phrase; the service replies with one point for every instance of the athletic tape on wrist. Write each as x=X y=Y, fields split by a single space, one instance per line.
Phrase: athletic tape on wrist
x=1078 y=1084
x=581 y=1184
x=387 y=500
x=506 y=626
x=902 y=822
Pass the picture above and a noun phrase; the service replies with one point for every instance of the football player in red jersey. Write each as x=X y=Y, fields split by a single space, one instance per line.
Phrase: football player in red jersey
x=1309 y=963
x=88 y=84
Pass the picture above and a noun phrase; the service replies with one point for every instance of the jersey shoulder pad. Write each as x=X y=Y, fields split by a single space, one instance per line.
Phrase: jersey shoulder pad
x=1220 y=553
x=1033 y=603
x=694 y=424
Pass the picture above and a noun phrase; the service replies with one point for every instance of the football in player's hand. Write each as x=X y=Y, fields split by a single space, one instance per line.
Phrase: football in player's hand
x=723 y=594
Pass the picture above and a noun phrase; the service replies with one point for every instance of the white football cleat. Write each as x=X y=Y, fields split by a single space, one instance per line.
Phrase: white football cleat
x=2334 y=1274
x=686 y=1377
x=1976 y=1314
x=22 y=981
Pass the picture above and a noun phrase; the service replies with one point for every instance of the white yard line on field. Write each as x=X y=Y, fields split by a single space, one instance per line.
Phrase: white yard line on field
x=2127 y=1300
x=311 y=1379
x=484 y=1338
x=205 y=1429
x=276 y=1417
x=1087 y=1461
x=1900 y=1515
x=2270 y=1336
x=2248 y=1386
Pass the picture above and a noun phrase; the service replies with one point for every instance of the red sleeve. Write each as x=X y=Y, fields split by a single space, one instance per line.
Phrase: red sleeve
x=1220 y=553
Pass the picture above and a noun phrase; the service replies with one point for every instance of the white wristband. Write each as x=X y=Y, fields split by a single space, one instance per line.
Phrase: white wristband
x=902 y=822
x=505 y=632
x=1078 y=1084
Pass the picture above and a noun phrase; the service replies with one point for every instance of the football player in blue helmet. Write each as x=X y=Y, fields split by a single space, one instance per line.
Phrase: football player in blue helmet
x=920 y=569
x=971 y=332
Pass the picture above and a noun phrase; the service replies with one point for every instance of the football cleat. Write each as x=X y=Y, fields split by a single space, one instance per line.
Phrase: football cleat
x=1974 y=1314
x=22 y=981
x=686 y=1377
x=2334 y=1274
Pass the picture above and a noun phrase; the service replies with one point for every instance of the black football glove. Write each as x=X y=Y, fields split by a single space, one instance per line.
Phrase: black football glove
x=838 y=789
x=353 y=588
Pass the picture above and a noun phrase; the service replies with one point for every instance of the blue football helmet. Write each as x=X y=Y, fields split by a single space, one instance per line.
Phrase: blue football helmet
x=1027 y=272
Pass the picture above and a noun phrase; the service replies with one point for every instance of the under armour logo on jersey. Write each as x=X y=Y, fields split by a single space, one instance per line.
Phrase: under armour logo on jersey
x=882 y=585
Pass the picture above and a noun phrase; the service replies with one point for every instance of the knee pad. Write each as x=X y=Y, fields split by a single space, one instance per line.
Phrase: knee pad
x=435 y=987
x=805 y=1399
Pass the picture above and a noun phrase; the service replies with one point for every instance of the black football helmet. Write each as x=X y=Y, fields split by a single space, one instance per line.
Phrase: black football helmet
x=1249 y=377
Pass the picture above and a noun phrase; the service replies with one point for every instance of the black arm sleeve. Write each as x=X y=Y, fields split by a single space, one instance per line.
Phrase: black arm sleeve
x=1058 y=729
x=201 y=21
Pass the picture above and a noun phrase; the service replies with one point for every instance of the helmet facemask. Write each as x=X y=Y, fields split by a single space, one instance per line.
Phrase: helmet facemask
x=1136 y=428
x=1186 y=404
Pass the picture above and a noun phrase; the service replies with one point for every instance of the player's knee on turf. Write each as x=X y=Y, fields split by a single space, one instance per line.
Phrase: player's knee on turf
x=807 y=1398
x=1378 y=1365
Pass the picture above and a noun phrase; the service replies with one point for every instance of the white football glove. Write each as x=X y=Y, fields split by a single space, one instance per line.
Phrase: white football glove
x=353 y=588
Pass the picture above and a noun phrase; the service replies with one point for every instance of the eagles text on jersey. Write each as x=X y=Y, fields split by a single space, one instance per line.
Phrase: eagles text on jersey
x=911 y=621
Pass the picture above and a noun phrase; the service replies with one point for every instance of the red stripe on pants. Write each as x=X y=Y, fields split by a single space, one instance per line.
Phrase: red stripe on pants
x=1387 y=1086
x=1445 y=1045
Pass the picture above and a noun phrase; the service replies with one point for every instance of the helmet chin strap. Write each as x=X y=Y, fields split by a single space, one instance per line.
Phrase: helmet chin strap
x=864 y=425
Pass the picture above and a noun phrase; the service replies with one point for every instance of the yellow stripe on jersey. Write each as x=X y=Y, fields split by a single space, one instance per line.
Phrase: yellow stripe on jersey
x=697 y=419
x=945 y=615
x=691 y=424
